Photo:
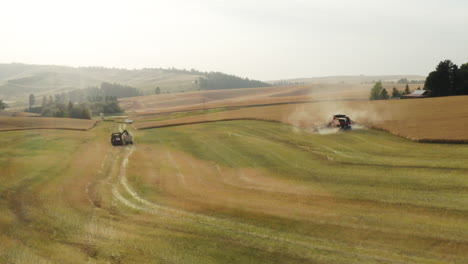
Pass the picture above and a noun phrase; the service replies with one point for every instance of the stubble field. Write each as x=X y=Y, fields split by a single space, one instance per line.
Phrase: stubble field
x=231 y=192
x=434 y=119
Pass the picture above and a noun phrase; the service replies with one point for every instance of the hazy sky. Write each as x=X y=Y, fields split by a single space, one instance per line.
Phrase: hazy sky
x=263 y=39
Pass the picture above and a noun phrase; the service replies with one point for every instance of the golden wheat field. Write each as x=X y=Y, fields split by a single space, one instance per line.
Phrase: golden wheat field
x=423 y=119
x=23 y=123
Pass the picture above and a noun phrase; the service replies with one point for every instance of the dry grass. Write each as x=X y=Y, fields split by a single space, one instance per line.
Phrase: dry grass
x=433 y=119
x=25 y=123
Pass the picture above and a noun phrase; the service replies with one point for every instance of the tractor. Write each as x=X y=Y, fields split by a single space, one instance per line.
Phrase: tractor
x=119 y=139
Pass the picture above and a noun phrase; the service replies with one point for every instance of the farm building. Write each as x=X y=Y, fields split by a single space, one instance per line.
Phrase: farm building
x=417 y=94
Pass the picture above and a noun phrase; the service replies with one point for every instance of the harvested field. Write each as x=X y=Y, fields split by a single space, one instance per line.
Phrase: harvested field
x=243 y=97
x=433 y=119
x=231 y=192
x=25 y=123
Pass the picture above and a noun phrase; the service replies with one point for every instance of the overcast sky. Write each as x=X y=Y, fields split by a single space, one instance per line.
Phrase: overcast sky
x=263 y=39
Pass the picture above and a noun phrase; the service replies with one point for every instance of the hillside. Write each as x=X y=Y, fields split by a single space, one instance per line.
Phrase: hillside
x=18 y=80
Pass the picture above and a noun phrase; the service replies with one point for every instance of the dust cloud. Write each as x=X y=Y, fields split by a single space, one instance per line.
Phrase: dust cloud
x=314 y=117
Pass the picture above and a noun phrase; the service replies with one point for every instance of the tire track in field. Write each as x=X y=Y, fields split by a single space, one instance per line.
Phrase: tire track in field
x=207 y=221
x=241 y=230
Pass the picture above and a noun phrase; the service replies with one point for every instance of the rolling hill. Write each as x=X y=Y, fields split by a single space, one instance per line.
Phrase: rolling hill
x=22 y=78
x=18 y=80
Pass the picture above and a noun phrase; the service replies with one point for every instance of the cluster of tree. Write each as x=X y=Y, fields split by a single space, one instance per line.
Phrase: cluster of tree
x=286 y=83
x=105 y=107
x=378 y=92
x=83 y=103
x=58 y=108
x=406 y=81
x=397 y=93
x=448 y=79
x=106 y=92
x=2 y=105
x=117 y=90
x=218 y=80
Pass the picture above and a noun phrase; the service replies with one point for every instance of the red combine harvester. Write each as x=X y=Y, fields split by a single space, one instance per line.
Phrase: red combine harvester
x=340 y=121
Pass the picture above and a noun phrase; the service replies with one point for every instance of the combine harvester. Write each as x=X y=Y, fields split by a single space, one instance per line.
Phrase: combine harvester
x=340 y=121
x=119 y=139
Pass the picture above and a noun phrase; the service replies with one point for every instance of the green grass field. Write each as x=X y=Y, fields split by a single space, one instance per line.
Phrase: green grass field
x=231 y=192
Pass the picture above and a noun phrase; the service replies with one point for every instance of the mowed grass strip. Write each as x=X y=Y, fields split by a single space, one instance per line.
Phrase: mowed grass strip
x=431 y=120
x=25 y=123
x=367 y=193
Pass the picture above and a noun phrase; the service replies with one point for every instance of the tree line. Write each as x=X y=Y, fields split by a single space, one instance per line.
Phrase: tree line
x=448 y=79
x=219 y=80
x=406 y=81
x=380 y=93
x=83 y=103
x=216 y=80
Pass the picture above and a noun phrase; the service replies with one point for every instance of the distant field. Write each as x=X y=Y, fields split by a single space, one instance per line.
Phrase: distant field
x=231 y=192
x=243 y=97
x=22 y=123
x=355 y=79
x=17 y=113
x=423 y=119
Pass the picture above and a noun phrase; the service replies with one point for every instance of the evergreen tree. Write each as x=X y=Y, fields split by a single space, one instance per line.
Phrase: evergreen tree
x=442 y=81
x=407 y=90
x=32 y=100
x=383 y=95
x=462 y=80
x=395 y=92
x=69 y=107
x=2 y=105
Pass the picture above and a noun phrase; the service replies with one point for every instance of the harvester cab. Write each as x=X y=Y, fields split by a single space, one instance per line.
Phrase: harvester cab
x=119 y=139
x=340 y=121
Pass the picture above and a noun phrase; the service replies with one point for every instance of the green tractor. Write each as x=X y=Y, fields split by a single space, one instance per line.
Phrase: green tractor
x=119 y=139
